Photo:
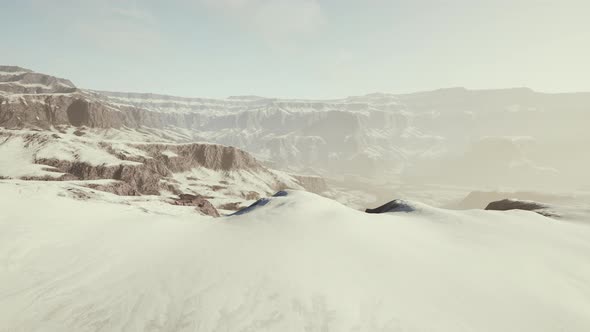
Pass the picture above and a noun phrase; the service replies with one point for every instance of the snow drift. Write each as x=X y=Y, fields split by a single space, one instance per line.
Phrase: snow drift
x=299 y=263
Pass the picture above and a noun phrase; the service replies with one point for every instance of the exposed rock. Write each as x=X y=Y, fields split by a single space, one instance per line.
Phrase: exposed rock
x=234 y=206
x=18 y=80
x=370 y=134
x=78 y=194
x=217 y=188
x=212 y=156
x=143 y=178
x=397 y=205
x=251 y=195
x=514 y=204
x=259 y=203
x=171 y=187
x=480 y=199
x=200 y=202
x=78 y=114
x=314 y=184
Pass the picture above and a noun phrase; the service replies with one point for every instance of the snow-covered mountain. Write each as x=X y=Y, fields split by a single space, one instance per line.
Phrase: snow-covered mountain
x=505 y=137
x=49 y=133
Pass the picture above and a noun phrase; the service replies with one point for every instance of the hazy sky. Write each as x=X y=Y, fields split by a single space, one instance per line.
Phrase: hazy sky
x=301 y=48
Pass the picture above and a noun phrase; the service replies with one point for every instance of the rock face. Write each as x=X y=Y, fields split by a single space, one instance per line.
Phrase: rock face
x=140 y=179
x=17 y=80
x=200 y=202
x=396 y=205
x=223 y=174
x=314 y=184
x=143 y=174
x=182 y=157
x=260 y=203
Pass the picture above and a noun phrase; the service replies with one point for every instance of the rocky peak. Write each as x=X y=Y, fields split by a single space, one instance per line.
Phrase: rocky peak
x=13 y=70
x=17 y=80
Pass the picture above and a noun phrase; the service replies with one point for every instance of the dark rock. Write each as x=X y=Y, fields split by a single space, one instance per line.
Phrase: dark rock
x=514 y=204
x=78 y=114
x=259 y=203
x=217 y=187
x=281 y=193
x=397 y=205
x=251 y=207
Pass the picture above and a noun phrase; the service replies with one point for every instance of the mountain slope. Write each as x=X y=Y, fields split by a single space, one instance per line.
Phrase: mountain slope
x=526 y=138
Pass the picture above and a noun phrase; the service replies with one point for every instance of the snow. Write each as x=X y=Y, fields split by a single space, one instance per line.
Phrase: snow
x=128 y=151
x=30 y=85
x=20 y=149
x=230 y=187
x=16 y=161
x=73 y=149
x=299 y=263
x=12 y=73
x=169 y=154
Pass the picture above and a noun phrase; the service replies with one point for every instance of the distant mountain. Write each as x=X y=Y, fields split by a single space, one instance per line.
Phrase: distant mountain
x=444 y=135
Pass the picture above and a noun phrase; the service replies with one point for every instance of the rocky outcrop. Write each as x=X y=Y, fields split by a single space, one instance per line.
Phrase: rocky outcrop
x=481 y=199
x=396 y=205
x=373 y=134
x=233 y=206
x=139 y=179
x=199 y=202
x=314 y=184
x=143 y=174
x=17 y=80
x=140 y=168
x=514 y=204
x=183 y=157
x=260 y=203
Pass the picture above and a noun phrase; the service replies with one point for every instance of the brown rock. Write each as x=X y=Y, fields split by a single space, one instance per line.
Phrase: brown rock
x=200 y=202
x=251 y=195
x=235 y=206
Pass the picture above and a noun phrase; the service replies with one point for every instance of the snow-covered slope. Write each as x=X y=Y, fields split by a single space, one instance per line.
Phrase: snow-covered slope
x=225 y=175
x=299 y=263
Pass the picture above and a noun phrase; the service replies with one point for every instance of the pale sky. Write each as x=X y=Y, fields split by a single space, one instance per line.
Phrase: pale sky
x=301 y=48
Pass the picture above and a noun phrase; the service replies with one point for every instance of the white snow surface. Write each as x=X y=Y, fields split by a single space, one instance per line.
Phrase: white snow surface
x=20 y=149
x=300 y=263
x=17 y=161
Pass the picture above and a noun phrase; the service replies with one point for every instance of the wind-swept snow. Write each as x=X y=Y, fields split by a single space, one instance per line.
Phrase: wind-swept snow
x=17 y=161
x=299 y=263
